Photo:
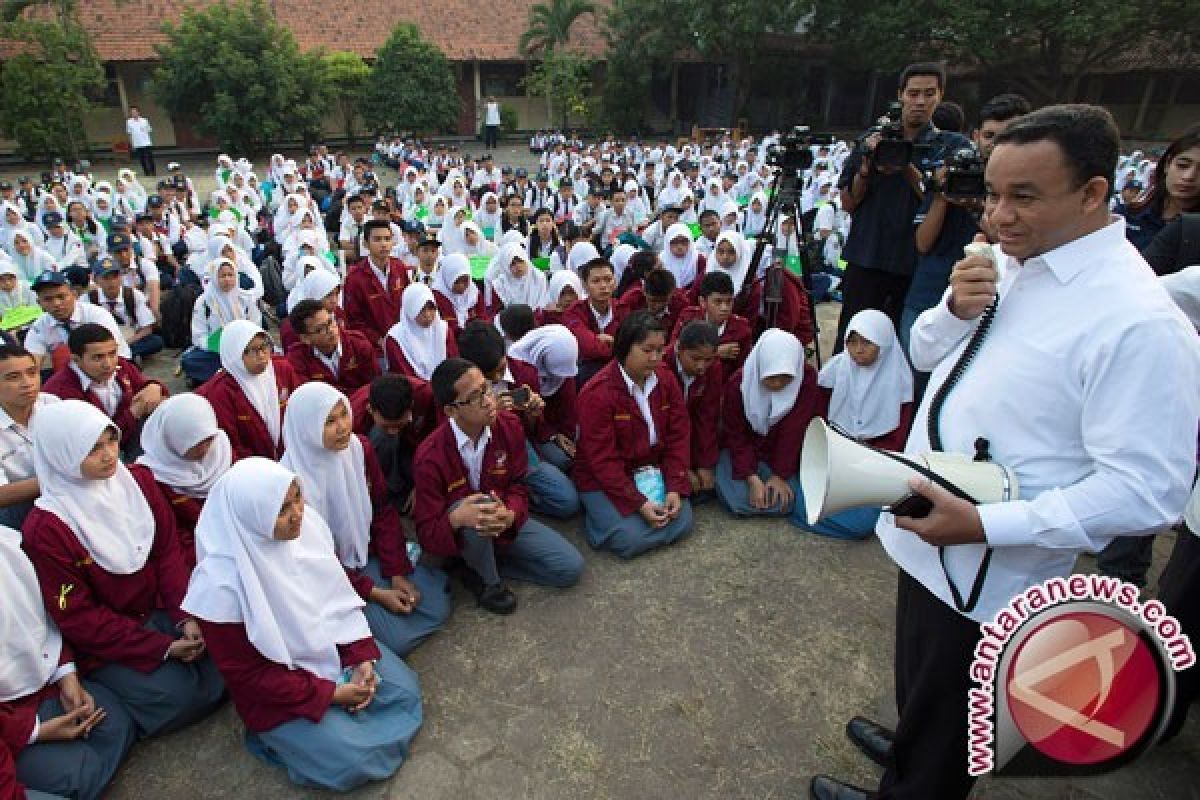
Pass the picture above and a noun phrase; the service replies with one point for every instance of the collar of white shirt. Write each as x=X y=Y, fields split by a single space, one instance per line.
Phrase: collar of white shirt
x=87 y=383
x=1068 y=260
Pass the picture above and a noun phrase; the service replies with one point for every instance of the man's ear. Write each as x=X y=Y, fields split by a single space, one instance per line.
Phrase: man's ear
x=1095 y=194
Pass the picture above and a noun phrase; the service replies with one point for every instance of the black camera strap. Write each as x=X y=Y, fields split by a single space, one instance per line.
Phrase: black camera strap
x=935 y=443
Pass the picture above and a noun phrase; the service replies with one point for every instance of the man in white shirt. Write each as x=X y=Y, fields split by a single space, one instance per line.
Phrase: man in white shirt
x=128 y=307
x=491 y=124
x=139 y=130
x=63 y=245
x=20 y=398
x=63 y=314
x=1083 y=343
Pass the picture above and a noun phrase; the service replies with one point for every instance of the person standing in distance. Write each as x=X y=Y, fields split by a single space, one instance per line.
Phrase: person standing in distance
x=1059 y=387
x=491 y=123
x=139 y=130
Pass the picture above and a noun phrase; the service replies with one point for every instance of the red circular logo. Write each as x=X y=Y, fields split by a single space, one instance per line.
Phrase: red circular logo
x=1083 y=688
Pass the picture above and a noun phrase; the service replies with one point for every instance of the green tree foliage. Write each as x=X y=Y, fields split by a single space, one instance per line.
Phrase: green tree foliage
x=44 y=88
x=240 y=76
x=565 y=78
x=1043 y=48
x=550 y=24
x=346 y=74
x=411 y=86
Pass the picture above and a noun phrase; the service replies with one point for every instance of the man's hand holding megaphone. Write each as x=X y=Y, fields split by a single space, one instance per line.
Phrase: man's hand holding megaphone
x=952 y=520
x=973 y=283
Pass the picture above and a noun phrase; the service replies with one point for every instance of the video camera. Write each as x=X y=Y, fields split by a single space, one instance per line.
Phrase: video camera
x=964 y=175
x=793 y=152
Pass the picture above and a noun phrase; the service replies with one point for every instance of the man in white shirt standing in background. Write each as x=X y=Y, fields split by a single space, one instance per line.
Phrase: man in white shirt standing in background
x=1084 y=385
x=491 y=124
x=138 y=128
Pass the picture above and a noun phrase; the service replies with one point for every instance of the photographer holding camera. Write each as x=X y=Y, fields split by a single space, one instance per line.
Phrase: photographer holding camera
x=882 y=195
x=947 y=221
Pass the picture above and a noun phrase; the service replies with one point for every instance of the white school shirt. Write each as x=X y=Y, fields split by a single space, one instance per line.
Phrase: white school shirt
x=47 y=333
x=143 y=316
x=1085 y=387
x=472 y=452
x=139 y=132
x=641 y=396
x=16 y=443
x=109 y=394
x=493 y=114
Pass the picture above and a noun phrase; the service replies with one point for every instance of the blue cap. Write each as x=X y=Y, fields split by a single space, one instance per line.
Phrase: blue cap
x=52 y=218
x=105 y=265
x=50 y=277
x=412 y=226
x=119 y=241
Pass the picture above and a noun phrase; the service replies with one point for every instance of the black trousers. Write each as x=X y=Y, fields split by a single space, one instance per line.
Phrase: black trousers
x=1179 y=591
x=490 y=134
x=146 y=156
x=863 y=288
x=934 y=648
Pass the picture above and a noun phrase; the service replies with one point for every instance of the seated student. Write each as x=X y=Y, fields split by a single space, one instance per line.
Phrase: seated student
x=632 y=460
x=733 y=254
x=103 y=542
x=428 y=257
x=99 y=376
x=564 y=291
x=221 y=303
x=14 y=290
x=471 y=497
x=694 y=363
x=21 y=400
x=545 y=359
x=652 y=288
x=458 y=298
x=320 y=285
x=67 y=735
x=421 y=339
x=767 y=407
x=513 y=279
x=128 y=307
x=869 y=387
x=715 y=305
x=372 y=289
x=316 y=693
x=250 y=393
x=392 y=413
x=344 y=483
x=47 y=335
x=551 y=491
x=325 y=352
x=186 y=452
x=595 y=319
x=680 y=257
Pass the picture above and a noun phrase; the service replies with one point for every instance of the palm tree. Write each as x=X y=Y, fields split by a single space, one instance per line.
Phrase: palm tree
x=550 y=24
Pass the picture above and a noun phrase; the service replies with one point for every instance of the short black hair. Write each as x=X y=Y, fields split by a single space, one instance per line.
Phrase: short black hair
x=698 y=333
x=517 y=320
x=374 y=225
x=715 y=282
x=708 y=212
x=445 y=375
x=390 y=395
x=1004 y=107
x=302 y=313
x=482 y=345
x=356 y=198
x=949 y=116
x=1086 y=135
x=571 y=231
x=88 y=333
x=924 y=68
x=658 y=283
x=11 y=349
x=591 y=266
x=635 y=329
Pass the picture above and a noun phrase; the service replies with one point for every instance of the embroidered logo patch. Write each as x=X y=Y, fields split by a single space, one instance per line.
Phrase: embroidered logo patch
x=64 y=590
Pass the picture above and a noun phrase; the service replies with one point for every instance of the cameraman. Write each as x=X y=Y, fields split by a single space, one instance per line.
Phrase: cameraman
x=880 y=252
x=945 y=226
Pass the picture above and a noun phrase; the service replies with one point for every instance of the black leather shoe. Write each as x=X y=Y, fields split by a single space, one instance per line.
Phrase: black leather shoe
x=498 y=599
x=824 y=787
x=872 y=738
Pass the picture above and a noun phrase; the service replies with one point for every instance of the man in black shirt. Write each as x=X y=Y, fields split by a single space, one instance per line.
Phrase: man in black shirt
x=880 y=251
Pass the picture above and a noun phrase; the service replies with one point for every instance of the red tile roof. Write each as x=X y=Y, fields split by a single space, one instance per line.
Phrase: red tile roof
x=465 y=30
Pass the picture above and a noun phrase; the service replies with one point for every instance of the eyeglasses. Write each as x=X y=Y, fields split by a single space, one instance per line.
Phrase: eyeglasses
x=324 y=330
x=258 y=349
x=477 y=398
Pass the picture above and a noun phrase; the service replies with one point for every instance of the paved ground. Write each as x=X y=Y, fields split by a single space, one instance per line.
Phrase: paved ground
x=724 y=667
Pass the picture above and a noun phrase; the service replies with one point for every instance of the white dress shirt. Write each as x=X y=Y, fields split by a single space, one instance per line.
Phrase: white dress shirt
x=16 y=444
x=47 y=333
x=109 y=394
x=330 y=361
x=472 y=452
x=1086 y=387
x=641 y=396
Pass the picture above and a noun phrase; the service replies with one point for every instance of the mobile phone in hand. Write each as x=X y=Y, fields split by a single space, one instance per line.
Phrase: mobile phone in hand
x=520 y=397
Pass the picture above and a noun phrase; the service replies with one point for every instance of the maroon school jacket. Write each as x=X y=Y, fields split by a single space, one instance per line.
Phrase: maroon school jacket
x=737 y=331
x=370 y=308
x=703 y=401
x=780 y=448
x=65 y=384
x=356 y=367
x=634 y=299
x=387 y=534
x=247 y=432
x=396 y=362
x=287 y=334
x=560 y=415
x=17 y=718
x=187 y=512
x=582 y=322
x=446 y=310
x=614 y=440
x=424 y=417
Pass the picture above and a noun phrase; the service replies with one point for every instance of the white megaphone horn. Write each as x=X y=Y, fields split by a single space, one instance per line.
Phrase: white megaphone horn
x=837 y=473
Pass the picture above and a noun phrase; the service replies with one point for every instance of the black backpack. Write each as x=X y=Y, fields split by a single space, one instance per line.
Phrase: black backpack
x=176 y=314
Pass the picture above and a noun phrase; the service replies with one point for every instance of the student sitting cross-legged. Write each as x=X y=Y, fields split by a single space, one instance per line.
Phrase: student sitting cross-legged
x=318 y=696
x=343 y=482
x=103 y=542
x=471 y=498
x=693 y=361
x=631 y=466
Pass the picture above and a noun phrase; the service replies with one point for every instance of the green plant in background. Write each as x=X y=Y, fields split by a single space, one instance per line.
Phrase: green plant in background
x=346 y=74
x=508 y=119
x=411 y=86
x=565 y=79
x=550 y=24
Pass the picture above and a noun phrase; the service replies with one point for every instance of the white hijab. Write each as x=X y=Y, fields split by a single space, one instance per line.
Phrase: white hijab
x=176 y=426
x=684 y=269
x=292 y=596
x=559 y=281
x=866 y=401
x=260 y=390
x=776 y=353
x=335 y=482
x=580 y=254
x=227 y=306
x=30 y=645
x=451 y=235
x=455 y=266
x=554 y=350
x=424 y=348
x=110 y=517
x=529 y=290
x=744 y=255
x=316 y=285
x=620 y=260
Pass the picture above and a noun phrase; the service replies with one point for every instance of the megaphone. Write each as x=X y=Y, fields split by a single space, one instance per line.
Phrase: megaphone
x=837 y=473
